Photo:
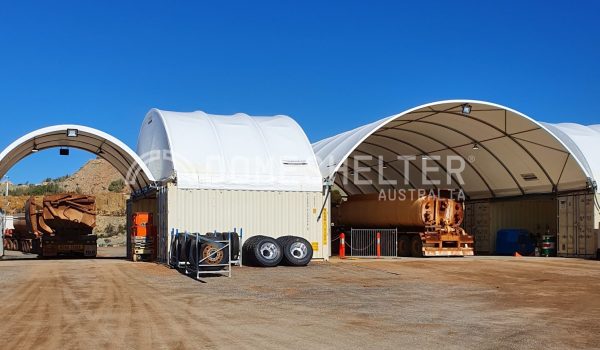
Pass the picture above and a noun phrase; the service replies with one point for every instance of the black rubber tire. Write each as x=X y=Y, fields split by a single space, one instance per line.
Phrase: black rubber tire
x=262 y=251
x=404 y=246
x=174 y=251
x=416 y=246
x=221 y=257
x=223 y=236
x=186 y=245
x=248 y=257
x=292 y=246
x=235 y=244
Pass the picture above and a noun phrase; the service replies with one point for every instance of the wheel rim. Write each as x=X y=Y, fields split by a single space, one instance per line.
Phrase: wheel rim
x=213 y=255
x=298 y=250
x=269 y=251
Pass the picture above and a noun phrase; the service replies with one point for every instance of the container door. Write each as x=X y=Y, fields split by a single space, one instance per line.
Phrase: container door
x=581 y=225
x=590 y=242
x=571 y=225
x=482 y=227
x=163 y=234
x=129 y=215
x=563 y=225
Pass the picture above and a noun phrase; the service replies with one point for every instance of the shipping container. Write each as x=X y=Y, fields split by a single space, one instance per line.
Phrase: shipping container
x=537 y=215
x=477 y=223
x=578 y=220
x=269 y=213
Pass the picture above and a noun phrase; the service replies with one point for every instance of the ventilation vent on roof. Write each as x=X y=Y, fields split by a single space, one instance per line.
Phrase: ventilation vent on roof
x=295 y=162
x=529 y=177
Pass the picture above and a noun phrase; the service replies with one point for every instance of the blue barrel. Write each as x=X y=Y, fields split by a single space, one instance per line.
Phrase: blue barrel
x=511 y=241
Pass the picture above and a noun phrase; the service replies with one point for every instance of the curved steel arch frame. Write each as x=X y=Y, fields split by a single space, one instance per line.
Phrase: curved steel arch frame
x=429 y=110
x=119 y=155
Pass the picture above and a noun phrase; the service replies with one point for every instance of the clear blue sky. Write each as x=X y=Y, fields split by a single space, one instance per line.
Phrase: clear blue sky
x=331 y=66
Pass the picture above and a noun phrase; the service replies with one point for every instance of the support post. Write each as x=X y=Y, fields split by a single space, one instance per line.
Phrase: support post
x=378 y=245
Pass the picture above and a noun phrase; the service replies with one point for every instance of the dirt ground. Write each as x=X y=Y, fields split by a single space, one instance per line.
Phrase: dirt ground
x=481 y=302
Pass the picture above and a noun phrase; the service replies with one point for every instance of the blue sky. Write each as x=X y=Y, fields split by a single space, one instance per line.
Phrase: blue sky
x=331 y=66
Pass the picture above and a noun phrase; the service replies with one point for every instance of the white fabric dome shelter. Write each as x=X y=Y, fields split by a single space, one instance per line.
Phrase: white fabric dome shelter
x=119 y=155
x=218 y=173
x=238 y=152
x=506 y=152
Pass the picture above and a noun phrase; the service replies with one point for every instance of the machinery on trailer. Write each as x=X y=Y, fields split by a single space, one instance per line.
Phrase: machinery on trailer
x=62 y=225
x=143 y=237
x=426 y=226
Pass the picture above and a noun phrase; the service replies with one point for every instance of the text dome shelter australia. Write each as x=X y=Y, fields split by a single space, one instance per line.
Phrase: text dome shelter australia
x=506 y=156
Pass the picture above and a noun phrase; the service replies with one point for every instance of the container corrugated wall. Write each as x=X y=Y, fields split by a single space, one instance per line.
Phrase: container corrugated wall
x=267 y=213
x=486 y=218
x=578 y=219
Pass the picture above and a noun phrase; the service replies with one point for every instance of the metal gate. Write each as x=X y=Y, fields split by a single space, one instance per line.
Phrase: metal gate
x=363 y=243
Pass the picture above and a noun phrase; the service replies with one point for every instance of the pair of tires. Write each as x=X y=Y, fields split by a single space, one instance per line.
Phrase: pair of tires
x=269 y=252
x=410 y=246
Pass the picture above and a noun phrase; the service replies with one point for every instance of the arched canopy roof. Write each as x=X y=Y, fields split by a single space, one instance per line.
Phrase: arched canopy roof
x=505 y=152
x=119 y=155
x=236 y=152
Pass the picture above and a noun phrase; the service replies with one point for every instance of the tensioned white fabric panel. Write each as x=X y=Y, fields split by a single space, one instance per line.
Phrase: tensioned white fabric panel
x=239 y=152
x=584 y=142
x=506 y=153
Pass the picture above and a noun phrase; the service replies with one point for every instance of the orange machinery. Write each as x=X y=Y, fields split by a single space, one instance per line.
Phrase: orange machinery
x=427 y=226
x=143 y=237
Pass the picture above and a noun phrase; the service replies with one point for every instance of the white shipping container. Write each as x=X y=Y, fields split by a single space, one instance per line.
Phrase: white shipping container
x=476 y=223
x=269 y=213
x=578 y=220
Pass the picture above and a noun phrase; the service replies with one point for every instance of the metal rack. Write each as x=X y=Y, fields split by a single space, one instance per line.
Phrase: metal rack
x=198 y=268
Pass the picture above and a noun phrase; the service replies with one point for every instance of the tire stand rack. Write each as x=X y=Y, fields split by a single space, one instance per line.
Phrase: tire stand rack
x=197 y=266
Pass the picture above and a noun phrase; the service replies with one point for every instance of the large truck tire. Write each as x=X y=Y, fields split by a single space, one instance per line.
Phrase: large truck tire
x=235 y=246
x=213 y=255
x=262 y=251
x=404 y=246
x=224 y=236
x=416 y=247
x=174 y=251
x=297 y=251
x=247 y=251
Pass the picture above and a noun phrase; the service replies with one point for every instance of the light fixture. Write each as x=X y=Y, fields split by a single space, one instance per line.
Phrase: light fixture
x=35 y=148
x=475 y=146
x=63 y=152
x=72 y=132
x=466 y=108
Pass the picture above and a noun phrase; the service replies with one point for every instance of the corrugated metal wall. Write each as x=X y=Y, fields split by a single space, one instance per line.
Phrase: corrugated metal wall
x=267 y=213
x=578 y=220
x=484 y=219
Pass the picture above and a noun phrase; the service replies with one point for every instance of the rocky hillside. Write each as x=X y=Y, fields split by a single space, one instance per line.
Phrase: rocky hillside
x=96 y=176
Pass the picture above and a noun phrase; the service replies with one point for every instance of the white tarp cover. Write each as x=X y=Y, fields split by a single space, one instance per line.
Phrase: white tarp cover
x=236 y=152
x=506 y=152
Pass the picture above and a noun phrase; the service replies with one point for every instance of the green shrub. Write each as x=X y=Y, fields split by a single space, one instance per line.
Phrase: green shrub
x=117 y=186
